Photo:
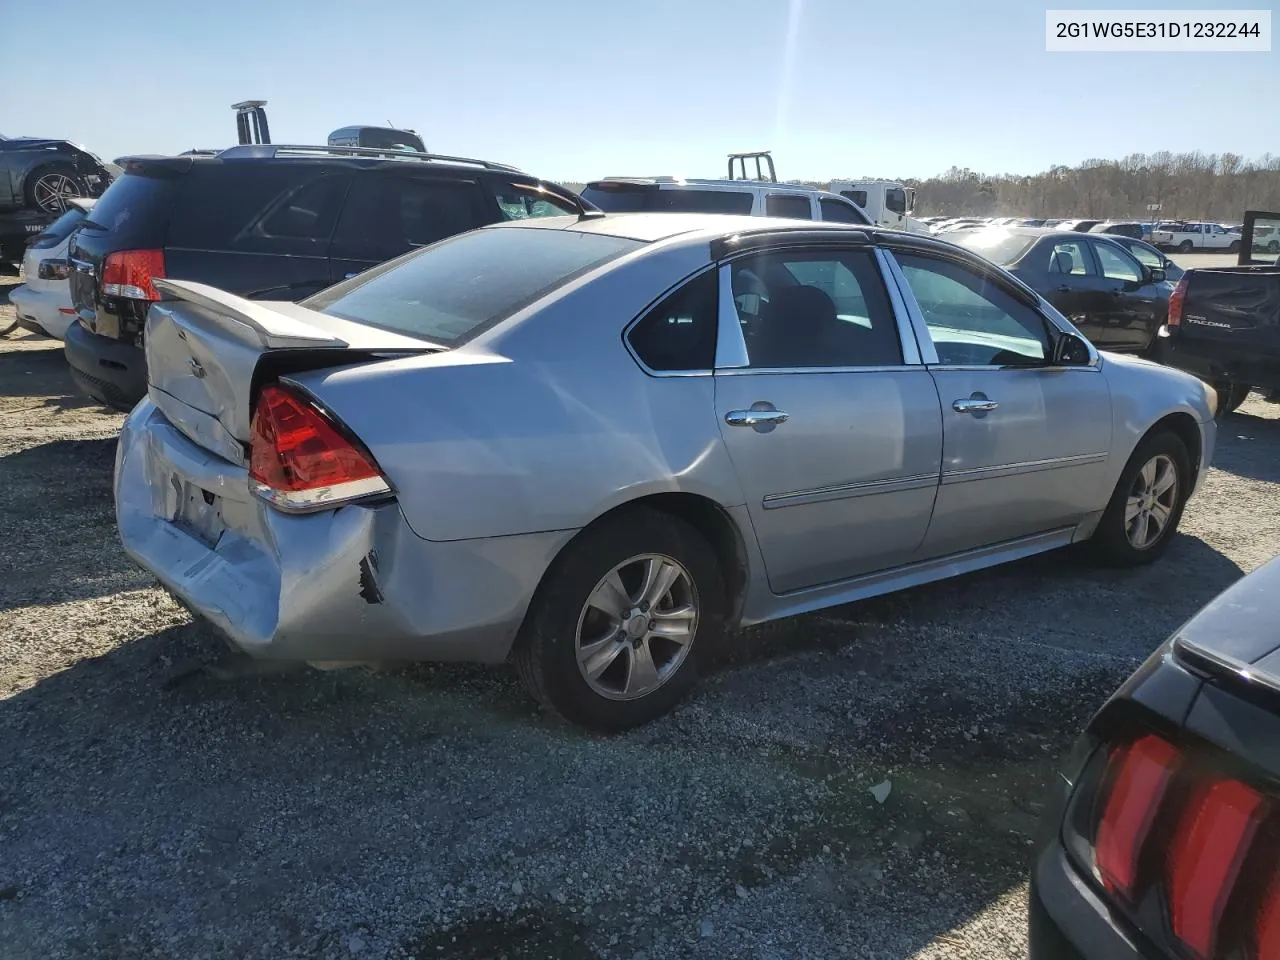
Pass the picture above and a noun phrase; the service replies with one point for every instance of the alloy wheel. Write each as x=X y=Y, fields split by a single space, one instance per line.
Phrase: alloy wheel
x=637 y=627
x=53 y=190
x=1151 y=502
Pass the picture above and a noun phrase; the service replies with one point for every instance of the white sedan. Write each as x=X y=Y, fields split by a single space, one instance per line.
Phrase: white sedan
x=43 y=300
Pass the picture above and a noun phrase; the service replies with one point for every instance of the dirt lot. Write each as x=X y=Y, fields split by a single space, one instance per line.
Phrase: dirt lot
x=149 y=810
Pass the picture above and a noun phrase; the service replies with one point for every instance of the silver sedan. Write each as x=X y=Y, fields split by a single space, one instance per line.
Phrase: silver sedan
x=595 y=445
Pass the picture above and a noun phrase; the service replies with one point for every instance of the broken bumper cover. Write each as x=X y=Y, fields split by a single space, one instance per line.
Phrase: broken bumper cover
x=352 y=584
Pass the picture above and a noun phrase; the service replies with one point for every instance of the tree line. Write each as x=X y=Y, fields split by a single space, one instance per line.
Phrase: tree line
x=1187 y=186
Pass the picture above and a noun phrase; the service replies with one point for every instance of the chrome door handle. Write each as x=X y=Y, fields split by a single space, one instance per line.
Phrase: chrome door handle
x=973 y=405
x=755 y=418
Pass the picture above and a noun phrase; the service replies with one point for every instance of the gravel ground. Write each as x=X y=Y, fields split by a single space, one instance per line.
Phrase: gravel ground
x=151 y=809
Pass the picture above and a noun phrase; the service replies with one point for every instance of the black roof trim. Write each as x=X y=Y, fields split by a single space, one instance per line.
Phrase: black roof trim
x=772 y=237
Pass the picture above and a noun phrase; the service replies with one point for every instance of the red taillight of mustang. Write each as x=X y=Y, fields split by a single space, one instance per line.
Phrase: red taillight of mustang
x=301 y=459
x=1181 y=849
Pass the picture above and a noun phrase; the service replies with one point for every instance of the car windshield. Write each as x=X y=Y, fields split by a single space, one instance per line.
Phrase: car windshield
x=997 y=245
x=449 y=292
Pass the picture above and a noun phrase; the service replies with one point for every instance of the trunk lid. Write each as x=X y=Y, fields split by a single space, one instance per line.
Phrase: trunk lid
x=1237 y=305
x=208 y=352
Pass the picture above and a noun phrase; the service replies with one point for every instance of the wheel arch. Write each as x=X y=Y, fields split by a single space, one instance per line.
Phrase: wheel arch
x=706 y=516
x=1184 y=426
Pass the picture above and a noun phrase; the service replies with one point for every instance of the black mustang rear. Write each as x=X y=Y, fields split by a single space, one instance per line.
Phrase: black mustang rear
x=1162 y=835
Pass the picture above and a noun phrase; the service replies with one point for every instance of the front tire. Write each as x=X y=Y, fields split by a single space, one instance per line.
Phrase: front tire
x=612 y=638
x=1139 y=522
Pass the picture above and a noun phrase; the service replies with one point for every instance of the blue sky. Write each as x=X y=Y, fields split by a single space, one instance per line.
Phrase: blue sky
x=571 y=90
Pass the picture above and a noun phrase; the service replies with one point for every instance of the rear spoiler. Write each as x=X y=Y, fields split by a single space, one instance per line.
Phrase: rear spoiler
x=1228 y=671
x=255 y=323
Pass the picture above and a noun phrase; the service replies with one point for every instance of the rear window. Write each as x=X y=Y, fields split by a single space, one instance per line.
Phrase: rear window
x=453 y=290
x=639 y=197
x=134 y=210
x=998 y=246
x=60 y=229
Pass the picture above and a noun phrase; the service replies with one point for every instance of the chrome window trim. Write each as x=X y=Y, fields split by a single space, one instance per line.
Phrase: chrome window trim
x=773 y=371
x=901 y=316
x=987 y=367
x=631 y=324
x=928 y=352
x=731 y=345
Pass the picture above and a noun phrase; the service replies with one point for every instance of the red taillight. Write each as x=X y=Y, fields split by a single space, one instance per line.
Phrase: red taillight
x=1139 y=774
x=128 y=273
x=1266 y=934
x=1176 y=300
x=1208 y=848
x=301 y=460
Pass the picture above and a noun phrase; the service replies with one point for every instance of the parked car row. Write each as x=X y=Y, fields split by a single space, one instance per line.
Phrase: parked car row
x=1114 y=289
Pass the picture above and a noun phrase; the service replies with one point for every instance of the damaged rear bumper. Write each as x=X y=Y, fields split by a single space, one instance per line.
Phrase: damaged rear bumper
x=352 y=584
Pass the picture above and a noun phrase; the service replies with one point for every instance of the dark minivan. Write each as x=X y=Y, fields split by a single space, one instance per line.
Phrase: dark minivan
x=266 y=222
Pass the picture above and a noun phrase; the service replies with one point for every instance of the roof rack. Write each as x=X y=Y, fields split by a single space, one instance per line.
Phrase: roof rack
x=757 y=155
x=268 y=150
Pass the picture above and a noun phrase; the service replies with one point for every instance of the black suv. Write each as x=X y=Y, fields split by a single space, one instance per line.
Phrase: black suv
x=266 y=222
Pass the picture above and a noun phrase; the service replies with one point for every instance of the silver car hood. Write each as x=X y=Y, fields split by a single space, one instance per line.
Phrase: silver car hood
x=204 y=347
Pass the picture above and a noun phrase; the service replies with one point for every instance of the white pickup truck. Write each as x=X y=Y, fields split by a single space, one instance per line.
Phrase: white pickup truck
x=1185 y=237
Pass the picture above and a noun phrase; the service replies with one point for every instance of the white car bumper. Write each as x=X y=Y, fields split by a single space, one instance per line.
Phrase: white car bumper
x=48 y=311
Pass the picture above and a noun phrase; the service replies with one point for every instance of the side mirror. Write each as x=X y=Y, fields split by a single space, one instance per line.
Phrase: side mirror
x=1071 y=350
x=1155 y=275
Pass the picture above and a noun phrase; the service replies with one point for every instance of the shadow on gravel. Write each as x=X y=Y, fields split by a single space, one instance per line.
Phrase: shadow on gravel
x=59 y=525
x=42 y=374
x=1247 y=445
x=148 y=809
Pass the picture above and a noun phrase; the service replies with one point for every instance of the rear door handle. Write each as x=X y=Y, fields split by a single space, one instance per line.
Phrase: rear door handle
x=1064 y=289
x=973 y=405
x=755 y=418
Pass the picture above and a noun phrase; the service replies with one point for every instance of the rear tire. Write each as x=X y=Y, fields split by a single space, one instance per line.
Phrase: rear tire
x=1273 y=246
x=1142 y=517
x=1185 y=246
x=592 y=616
x=1234 y=247
x=1230 y=396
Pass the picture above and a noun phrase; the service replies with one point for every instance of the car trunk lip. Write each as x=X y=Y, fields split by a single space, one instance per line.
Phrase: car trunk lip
x=204 y=347
x=1234 y=636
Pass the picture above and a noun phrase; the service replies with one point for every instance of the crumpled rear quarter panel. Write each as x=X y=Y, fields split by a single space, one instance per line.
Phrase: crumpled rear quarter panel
x=349 y=584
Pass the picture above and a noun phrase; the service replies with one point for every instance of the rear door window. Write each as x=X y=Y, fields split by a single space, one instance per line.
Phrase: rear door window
x=700 y=201
x=220 y=201
x=301 y=220
x=795 y=206
x=833 y=211
x=387 y=214
x=1071 y=257
x=857 y=196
